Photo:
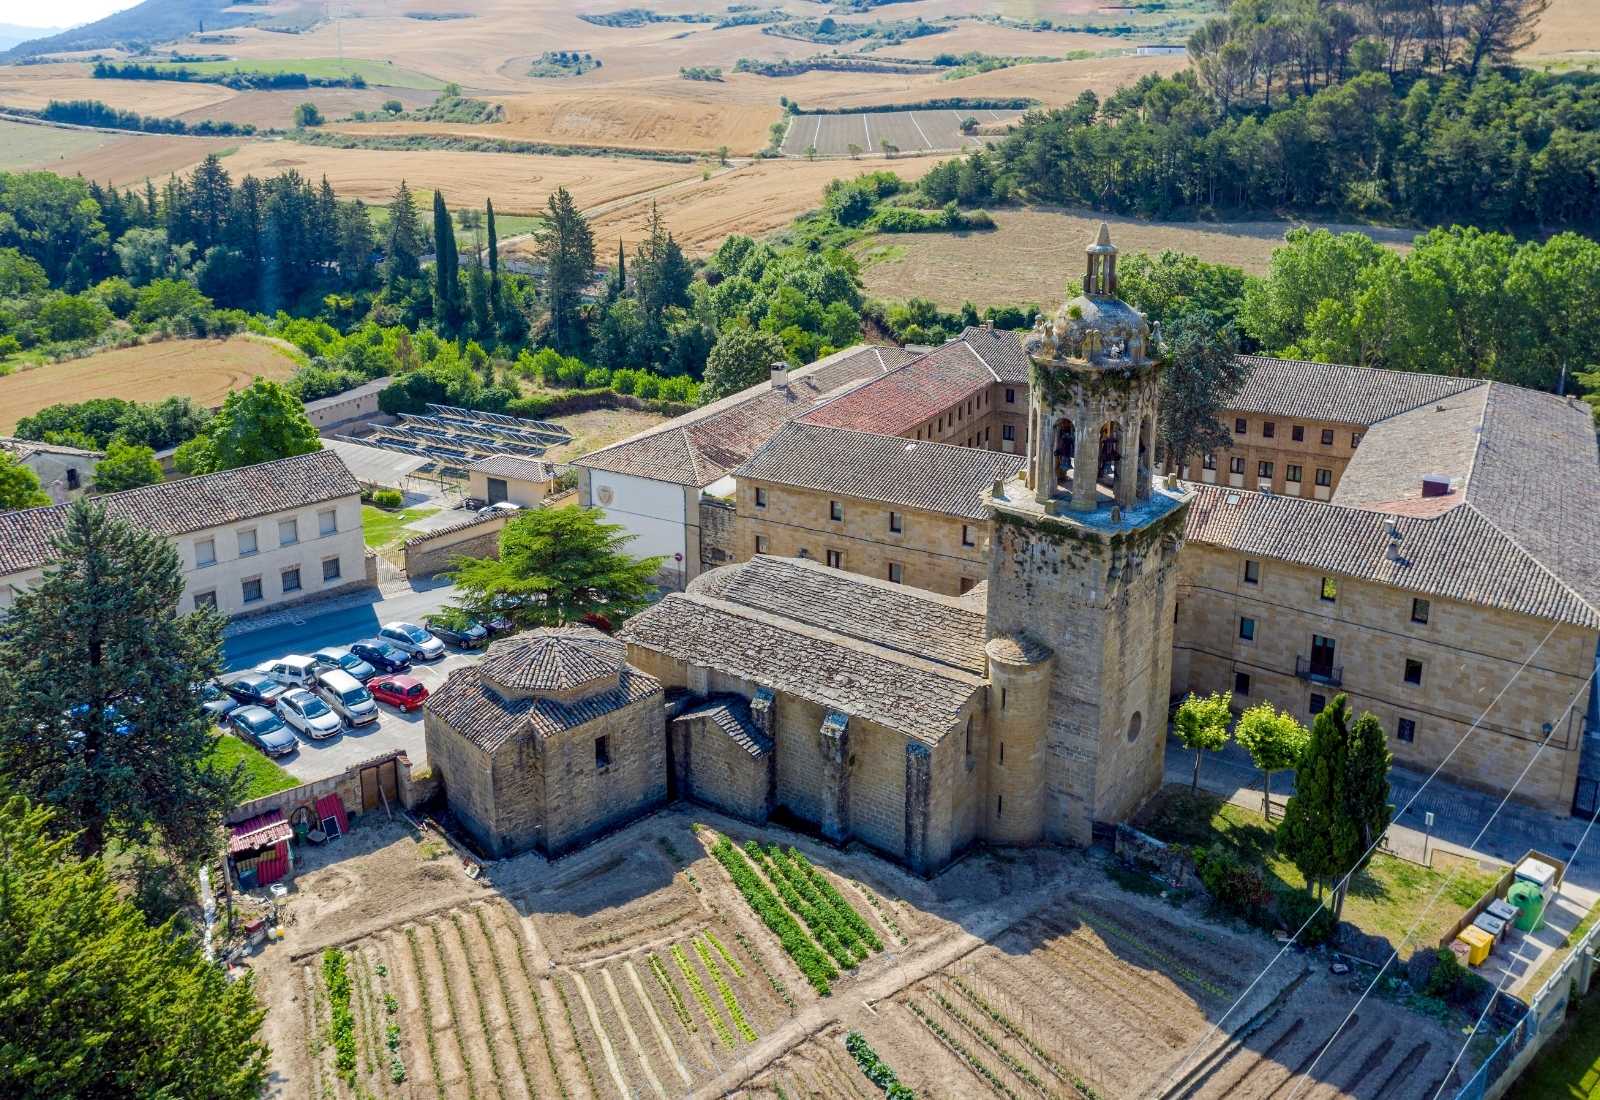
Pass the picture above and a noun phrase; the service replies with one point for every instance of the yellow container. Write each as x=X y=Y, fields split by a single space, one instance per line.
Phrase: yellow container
x=1478 y=942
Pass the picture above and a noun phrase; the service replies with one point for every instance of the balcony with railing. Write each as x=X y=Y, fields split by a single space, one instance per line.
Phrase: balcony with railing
x=1319 y=672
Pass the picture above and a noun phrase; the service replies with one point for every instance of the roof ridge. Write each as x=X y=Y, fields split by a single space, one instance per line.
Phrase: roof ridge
x=1532 y=557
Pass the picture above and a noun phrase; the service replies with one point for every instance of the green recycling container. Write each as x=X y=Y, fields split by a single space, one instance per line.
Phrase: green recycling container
x=1529 y=903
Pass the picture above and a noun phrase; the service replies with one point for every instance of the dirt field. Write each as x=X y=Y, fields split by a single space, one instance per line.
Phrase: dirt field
x=129 y=161
x=206 y=370
x=599 y=428
x=23 y=145
x=1569 y=27
x=1033 y=254
x=908 y=131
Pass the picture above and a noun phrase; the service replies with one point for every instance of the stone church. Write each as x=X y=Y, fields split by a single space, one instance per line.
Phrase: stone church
x=1029 y=708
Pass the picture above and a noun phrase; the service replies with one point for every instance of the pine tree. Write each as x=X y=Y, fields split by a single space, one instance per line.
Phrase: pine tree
x=617 y=285
x=356 y=244
x=403 y=250
x=151 y=209
x=494 y=251
x=209 y=193
x=99 y=675
x=478 y=296
x=566 y=247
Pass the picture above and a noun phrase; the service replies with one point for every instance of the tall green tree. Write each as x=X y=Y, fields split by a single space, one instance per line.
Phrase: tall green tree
x=126 y=466
x=557 y=565
x=403 y=247
x=19 y=486
x=741 y=357
x=99 y=680
x=98 y=1003
x=1275 y=742
x=1201 y=723
x=566 y=248
x=259 y=423
x=661 y=273
x=1202 y=374
x=447 y=297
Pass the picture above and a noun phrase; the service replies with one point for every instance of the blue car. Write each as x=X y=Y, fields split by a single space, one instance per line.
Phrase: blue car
x=382 y=655
x=262 y=728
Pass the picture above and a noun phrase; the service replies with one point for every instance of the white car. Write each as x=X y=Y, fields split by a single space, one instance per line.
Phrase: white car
x=310 y=715
x=500 y=508
x=411 y=639
x=347 y=696
x=292 y=671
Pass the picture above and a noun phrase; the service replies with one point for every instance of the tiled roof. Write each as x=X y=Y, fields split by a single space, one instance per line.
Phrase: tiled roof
x=701 y=447
x=731 y=715
x=1000 y=350
x=934 y=477
x=554 y=659
x=838 y=640
x=192 y=504
x=925 y=387
x=22 y=448
x=1457 y=554
x=485 y=718
x=377 y=385
x=514 y=466
x=1332 y=391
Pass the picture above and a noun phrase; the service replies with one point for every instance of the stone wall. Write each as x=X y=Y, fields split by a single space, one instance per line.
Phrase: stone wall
x=1468 y=653
x=463 y=772
x=1287 y=455
x=712 y=768
x=582 y=799
x=347 y=785
x=719 y=539
x=429 y=553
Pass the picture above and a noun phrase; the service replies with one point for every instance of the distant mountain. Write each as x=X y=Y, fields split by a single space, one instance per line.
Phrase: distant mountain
x=13 y=35
x=146 y=24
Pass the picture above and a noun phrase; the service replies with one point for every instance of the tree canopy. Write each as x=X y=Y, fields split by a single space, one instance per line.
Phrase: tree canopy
x=1201 y=723
x=260 y=423
x=741 y=358
x=19 y=486
x=1275 y=741
x=1202 y=374
x=126 y=466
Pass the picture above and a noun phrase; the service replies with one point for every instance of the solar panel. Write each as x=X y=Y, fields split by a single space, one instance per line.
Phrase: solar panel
x=514 y=422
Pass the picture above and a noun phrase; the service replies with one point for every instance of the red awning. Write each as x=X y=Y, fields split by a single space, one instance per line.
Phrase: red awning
x=259 y=832
x=330 y=806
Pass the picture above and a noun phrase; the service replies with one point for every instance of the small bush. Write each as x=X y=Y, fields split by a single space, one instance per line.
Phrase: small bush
x=1297 y=909
x=1447 y=976
x=1236 y=886
x=387 y=498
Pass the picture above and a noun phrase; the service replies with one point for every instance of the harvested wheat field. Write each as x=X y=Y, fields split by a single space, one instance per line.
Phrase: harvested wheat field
x=206 y=370
x=267 y=109
x=129 y=161
x=1033 y=254
x=24 y=145
x=1569 y=27
x=32 y=87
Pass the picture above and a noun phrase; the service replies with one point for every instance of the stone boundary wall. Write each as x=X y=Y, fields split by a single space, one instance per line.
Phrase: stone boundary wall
x=428 y=553
x=412 y=790
x=718 y=532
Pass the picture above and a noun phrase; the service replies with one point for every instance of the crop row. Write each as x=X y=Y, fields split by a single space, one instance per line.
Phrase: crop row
x=533 y=995
x=976 y=1064
x=772 y=979
x=343 y=1029
x=314 y=1030
x=1168 y=964
x=391 y=1032
x=729 y=1001
x=1011 y=1062
x=673 y=997
x=876 y=1069
x=505 y=992
x=483 y=1012
x=427 y=1010
x=701 y=995
x=455 y=1019
x=835 y=900
x=821 y=923
x=733 y=963
x=1021 y=1036
x=812 y=963
x=888 y=917
x=566 y=1009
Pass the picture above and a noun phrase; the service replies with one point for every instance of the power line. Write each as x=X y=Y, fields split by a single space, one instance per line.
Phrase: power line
x=1437 y=894
x=1343 y=881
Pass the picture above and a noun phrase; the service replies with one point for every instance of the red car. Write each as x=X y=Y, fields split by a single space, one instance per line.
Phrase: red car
x=402 y=692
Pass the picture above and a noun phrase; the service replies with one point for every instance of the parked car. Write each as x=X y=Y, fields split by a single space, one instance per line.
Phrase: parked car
x=254 y=689
x=500 y=508
x=411 y=639
x=341 y=658
x=458 y=630
x=347 y=696
x=402 y=692
x=263 y=729
x=498 y=625
x=216 y=702
x=293 y=671
x=308 y=714
x=382 y=655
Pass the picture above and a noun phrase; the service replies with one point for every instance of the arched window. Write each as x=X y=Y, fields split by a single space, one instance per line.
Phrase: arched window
x=1135 y=724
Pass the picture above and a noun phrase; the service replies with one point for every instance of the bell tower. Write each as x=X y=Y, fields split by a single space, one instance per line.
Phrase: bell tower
x=1084 y=563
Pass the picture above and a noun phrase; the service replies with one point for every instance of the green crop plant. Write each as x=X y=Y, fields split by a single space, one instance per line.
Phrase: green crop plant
x=977 y=1066
x=678 y=1007
x=876 y=1069
x=1010 y=1027
x=1013 y=1063
x=812 y=962
x=702 y=996
x=733 y=963
x=888 y=917
x=427 y=1011
x=725 y=991
x=829 y=908
x=777 y=986
x=337 y=977
x=455 y=1018
x=505 y=995
x=483 y=1012
x=837 y=901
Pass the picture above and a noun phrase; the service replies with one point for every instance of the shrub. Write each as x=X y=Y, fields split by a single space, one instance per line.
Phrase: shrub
x=1235 y=885
x=812 y=963
x=876 y=1069
x=343 y=1029
x=1297 y=909
x=1447 y=976
x=387 y=498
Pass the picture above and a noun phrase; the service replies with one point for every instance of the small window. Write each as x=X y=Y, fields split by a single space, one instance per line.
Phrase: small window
x=835 y=511
x=1247 y=629
x=896 y=522
x=897 y=573
x=288 y=532
x=1406 y=730
x=327 y=521
x=1330 y=590
x=1236 y=465
x=1327 y=437
x=1291 y=474
x=967 y=584
x=1419 y=611
x=1318 y=703
x=602 y=752
x=1324 y=477
x=761 y=497
x=205 y=552
x=1264 y=470
x=967 y=537
x=1011 y=396
x=1413 y=671
x=1209 y=462
x=1241 y=683
x=1002 y=747
x=1298 y=433
x=291 y=579
x=251 y=590
x=1008 y=433
x=969 y=735
x=1355 y=440
x=1269 y=429
x=205 y=599
x=330 y=569
x=835 y=559
x=73 y=480
x=1135 y=726
x=1252 y=572
x=999 y=805
x=1240 y=426
x=761 y=544
x=247 y=542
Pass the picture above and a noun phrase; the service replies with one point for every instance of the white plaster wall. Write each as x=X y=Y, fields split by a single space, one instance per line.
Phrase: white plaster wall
x=653 y=511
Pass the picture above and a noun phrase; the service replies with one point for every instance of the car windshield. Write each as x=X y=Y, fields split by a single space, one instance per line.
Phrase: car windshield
x=355 y=695
x=262 y=723
x=414 y=689
x=312 y=707
x=389 y=651
x=415 y=633
x=257 y=683
x=347 y=660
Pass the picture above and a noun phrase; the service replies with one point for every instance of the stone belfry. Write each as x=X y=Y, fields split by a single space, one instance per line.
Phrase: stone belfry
x=1083 y=575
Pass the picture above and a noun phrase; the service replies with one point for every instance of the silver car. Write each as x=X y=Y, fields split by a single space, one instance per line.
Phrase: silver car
x=347 y=696
x=412 y=639
x=310 y=715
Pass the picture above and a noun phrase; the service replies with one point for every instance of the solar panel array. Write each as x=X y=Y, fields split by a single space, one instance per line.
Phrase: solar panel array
x=453 y=438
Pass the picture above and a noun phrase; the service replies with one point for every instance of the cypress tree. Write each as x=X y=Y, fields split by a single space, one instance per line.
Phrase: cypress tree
x=494 y=251
x=446 y=267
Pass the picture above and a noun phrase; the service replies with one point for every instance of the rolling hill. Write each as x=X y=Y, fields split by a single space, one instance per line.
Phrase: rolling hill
x=144 y=24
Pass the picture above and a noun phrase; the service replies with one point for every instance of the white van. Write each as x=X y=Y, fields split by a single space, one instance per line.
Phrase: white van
x=346 y=695
x=291 y=671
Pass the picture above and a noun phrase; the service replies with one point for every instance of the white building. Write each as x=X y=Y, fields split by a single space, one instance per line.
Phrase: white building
x=652 y=483
x=249 y=539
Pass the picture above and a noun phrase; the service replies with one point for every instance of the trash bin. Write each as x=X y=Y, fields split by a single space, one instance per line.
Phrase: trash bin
x=1529 y=902
x=1490 y=924
x=1479 y=944
x=1540 y=874
x=1504 y=910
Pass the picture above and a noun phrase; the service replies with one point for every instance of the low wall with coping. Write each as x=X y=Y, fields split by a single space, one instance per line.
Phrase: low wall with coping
x=433 y=551
x=411 y=790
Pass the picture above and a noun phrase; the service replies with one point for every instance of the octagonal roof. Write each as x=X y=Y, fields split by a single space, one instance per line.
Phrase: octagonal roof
x=555 y=659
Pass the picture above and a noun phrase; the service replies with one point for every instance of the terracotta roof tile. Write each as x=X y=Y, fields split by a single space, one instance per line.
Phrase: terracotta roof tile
x=472 y=708
x=556 y=659
x=1332 y=391
x=902 y=399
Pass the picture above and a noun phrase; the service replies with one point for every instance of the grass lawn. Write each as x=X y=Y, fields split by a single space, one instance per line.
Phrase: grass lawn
x=261 y=776
x=505 y=225
x=384 y=528
x=1385 y=899
x=1568 y=1069
x=373 y=72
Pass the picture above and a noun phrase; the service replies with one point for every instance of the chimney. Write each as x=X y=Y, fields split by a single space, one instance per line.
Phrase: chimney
x=780 y=375
x=988 y=325
x=1392 y=550
x=1435 y=485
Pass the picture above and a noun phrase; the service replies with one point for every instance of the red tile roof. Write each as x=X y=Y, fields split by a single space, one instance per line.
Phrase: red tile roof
x=904 y=398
